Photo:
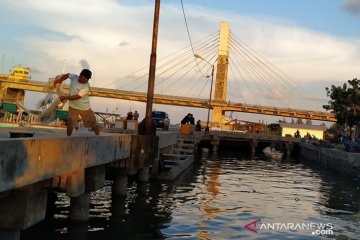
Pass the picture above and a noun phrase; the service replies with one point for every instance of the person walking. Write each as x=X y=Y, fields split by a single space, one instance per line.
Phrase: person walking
x=79 y=103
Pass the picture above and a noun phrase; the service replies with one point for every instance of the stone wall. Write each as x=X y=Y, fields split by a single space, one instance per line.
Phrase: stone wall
x=344 y=162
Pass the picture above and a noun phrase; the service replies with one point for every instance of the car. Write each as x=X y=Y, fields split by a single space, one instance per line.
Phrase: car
x=161 y=119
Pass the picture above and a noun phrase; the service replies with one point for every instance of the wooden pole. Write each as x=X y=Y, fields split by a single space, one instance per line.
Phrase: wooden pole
x=152 y=68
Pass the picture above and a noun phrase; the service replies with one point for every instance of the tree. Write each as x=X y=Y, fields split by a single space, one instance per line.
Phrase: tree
x=345 y=102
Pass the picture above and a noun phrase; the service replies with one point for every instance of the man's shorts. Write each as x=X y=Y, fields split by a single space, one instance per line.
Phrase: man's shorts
x=87 y=116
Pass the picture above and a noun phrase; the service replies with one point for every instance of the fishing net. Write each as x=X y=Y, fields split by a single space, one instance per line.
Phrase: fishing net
x=49 y=102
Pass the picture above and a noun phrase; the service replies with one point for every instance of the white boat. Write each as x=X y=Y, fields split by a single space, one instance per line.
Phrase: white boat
x=273 y=153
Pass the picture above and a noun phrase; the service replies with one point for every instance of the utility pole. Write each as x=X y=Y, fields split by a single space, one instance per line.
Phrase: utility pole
x=152 y=68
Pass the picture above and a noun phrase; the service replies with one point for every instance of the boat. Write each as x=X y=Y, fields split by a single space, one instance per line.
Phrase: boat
x=273 y=153
x=13 y=114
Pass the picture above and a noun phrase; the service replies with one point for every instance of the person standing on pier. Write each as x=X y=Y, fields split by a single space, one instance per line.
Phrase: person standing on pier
x=198 y=125
x=186 y=119
x=136 y=115
x=79 y=103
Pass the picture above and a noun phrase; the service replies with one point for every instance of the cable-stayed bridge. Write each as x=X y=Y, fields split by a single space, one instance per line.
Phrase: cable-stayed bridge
x=184 y=78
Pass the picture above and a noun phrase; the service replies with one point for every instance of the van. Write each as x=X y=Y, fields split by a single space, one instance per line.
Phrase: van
x=161 y=119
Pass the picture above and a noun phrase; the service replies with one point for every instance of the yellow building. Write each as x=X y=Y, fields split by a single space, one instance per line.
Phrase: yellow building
x=314 y=130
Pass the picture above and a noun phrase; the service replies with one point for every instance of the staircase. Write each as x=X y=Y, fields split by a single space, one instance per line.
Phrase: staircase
x=180 y=158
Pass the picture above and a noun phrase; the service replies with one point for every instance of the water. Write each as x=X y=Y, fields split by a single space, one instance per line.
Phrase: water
x=215 y=199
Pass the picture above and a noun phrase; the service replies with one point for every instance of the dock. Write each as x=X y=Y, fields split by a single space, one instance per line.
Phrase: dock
x=49 y=161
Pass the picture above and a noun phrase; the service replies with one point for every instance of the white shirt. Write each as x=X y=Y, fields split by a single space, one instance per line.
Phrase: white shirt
x=81 y=89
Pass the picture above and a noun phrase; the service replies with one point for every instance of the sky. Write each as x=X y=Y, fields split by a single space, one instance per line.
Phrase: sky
x=317 y=43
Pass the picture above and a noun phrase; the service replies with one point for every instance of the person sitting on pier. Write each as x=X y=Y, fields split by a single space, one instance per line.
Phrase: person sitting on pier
x=186 y=119
x=198 y=125
x=79 y=103
x=192 y=119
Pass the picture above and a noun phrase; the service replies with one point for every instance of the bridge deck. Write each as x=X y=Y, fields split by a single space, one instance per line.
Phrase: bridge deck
x=180 y=101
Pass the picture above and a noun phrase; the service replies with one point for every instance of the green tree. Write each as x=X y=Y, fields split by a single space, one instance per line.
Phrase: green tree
x=345 y=102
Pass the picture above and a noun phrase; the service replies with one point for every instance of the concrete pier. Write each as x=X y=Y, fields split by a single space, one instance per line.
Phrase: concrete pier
x=253 y=140
x=79 y=208
x=120 y=183
x=215 y=141
x=143 y=174
x=22 y=208
x=9 y=235
x=254 y=143
x=289 y=148
x=343 y=162
x=77 y=166
x=74 y=165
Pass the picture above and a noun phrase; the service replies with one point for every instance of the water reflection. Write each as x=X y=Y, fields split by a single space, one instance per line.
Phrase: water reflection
x=214 y=200
x=212 y=184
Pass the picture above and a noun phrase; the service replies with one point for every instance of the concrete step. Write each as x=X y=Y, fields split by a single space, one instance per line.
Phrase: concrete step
x=186 y=145
x=171 y=163
x=177 y=155
x=187 y=140
x=183 y=150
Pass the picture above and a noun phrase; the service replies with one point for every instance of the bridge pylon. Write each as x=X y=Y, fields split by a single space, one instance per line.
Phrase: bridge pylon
x=221 y=75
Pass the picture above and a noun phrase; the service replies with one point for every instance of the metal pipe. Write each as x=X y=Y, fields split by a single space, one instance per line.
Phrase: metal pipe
x=209 y=107
x=212 y=79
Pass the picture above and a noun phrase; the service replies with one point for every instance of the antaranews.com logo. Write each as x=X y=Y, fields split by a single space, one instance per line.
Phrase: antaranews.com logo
x=316 y=229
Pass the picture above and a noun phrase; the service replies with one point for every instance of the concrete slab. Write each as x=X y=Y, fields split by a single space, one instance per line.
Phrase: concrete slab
x=28 y=160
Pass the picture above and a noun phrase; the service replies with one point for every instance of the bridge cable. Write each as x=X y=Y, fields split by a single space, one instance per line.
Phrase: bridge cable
x=208 y=70
x=239 y=63
x=236 y=83
x=277 y=72
x=263 y=73
x=188 y=32
x=193 y=87
x=162 y=59
x=249 y=62
x=186 y=56
x=248 y=71
x=182 y=67
x=268 y=71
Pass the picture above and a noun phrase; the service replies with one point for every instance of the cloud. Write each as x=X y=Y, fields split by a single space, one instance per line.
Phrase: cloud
x=352 y=6
x=123 y=44
x=93 y=36
x=84 y=64
x=34 y=70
